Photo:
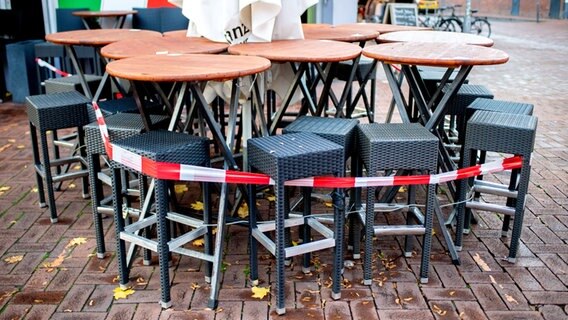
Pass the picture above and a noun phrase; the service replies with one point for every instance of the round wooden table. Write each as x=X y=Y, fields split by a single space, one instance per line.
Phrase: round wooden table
x=176 y=33
x=96 y=38
x=433 y=109
x=338 y=33
x=299 y=54
x=90 y=18
x=382 y=28
x=191 y=70
x=137 y=47
x=435 y=36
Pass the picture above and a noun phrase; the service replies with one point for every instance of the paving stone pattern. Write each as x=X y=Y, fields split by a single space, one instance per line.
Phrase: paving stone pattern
x=58 y=280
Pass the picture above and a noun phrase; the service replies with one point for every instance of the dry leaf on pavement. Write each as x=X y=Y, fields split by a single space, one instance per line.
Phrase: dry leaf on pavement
x=260 y=292
x=197 y=205
x=122 y=294
x=13 y=259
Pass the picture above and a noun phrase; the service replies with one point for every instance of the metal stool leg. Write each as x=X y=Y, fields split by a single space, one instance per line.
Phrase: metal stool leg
x=48 y=177
x=253 y=245
x=428 y=225
x=519 y=208
x=339 y=215
x=37 y=164
x=280 y=247
x=97 y=190
x=162 y=207
x=123 y=271
x=218 y=252
x=369 y=234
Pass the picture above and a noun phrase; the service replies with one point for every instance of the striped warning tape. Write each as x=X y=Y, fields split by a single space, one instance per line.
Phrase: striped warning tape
x=181 y=172
x=45 y=64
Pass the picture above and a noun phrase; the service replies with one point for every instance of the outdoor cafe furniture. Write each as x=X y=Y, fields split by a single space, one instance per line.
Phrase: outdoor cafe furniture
x=52 y=112
x=192 y=70
x=299 y=54
x=397 y=146
x=91 y=19
x=502 y=133
x=287 y=157
x=166 y=45
x=97 y=38
x=119 y=126
x=432 y=109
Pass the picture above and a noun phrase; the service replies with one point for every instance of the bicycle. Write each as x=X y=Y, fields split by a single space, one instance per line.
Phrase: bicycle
x=479 y=25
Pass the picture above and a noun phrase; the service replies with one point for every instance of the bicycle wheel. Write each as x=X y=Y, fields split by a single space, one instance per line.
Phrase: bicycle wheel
x=451 y=25
x=481 y=27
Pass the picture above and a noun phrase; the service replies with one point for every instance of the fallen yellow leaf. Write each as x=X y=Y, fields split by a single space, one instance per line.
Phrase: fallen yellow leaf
x=195 y=286
x=20 y=146
x=482 y=264
x=197 y=205
x=13 y=259
x=4 y=188
x=77 y=241
x=179 y=188
x=122 y=294
x=511 y=299
x=199 y=242
x=271 y=198
x=12 y=140
x=243 y=211
x=4 y=147
x=72 y=186
x=260 y=292
x=34 y=189
x=328 y=204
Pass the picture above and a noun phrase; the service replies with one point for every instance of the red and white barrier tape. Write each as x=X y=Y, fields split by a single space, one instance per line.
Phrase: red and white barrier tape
x=181 y=172
x=45 y=64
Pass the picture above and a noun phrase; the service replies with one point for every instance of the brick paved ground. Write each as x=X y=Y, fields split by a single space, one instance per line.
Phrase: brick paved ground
x=44 y=286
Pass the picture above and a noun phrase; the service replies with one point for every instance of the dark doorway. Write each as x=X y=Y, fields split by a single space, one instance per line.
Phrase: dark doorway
x=554 y=9
x=515 y=7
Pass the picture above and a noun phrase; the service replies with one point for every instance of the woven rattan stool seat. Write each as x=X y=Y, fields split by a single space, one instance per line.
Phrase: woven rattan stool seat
x=465 y=96
x=287 y=157
x=73 y=83
x=503 y=133
x=57 y=110
x=114 y=106
x=397 y=146
x=500 y=106
x=340 y=131
x=120 y=126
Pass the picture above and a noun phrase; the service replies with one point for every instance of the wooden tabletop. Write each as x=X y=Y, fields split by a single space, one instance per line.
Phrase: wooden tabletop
x=138 y=47
x=176 y=33
x=448 y=55
x=106 y=13
x=98 y=37
x=306 y=50
x=338 y=33
x=186 y=67
x=382 y=28
x=436 y=36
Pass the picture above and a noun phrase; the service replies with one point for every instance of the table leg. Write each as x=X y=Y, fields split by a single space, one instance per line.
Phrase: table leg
x=73 y=55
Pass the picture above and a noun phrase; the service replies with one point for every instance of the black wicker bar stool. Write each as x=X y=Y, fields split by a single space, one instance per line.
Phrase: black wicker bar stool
x=503 y=133
x=73 y=83
x=120 y=126
x=166 y=149
x=457 y=109
x=344 y=133
x=503 y=107
x=51 y=112
x=288 y=157
x=398 y=147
